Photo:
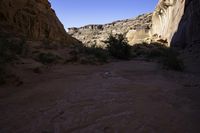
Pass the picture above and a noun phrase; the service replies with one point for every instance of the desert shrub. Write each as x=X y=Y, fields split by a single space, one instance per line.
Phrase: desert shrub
x=9 y=51
x=99 y=53
x=88 y=55
x=48 y=44
x=5 y=57
x=118 y=47
x=171 y=61
x=6 y=53
x=165 y=55
x=47 y=58
x=154 y=50
x=19 y=48
x=2 y=74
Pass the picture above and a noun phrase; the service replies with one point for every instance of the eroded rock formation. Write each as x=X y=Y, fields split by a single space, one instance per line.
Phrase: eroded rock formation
x=135 y=29
x=34 y=19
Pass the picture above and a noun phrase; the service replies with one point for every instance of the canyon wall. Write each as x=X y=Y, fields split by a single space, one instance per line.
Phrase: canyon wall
x=177 y=21
x=188 y=33
x=166 y=18
x=34 y=19
x=135 y=30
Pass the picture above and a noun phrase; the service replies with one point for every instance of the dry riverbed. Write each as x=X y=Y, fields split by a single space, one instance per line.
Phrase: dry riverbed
x=119 y=97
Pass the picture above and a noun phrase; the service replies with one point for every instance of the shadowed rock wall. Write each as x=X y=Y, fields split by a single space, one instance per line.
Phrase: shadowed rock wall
x=34 y=19
x=188 y=31
x=178 y=21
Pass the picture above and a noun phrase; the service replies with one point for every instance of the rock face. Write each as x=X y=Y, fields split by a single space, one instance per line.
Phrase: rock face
x=166 y=18
x=178 y=21
x=96 y=34
x=189 y=26
x=31 y=18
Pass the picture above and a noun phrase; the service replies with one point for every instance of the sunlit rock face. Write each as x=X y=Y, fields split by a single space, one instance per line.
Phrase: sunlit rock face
x=34 y=19
x=137 y=36
x=166 y=18
x=135 y=30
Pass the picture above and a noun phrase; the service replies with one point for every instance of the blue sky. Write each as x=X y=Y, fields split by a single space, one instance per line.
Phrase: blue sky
x=76 y=13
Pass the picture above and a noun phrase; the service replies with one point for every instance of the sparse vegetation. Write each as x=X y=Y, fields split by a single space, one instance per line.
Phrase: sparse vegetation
x=118 y=47
x=47 y=44
x=165 y=55
x=88 y=55
x=5 y=57
x=2 y=74
x=6 y=53
x=154 y=50
x=47 y=58
x=9 y=51
x=99 y=53
x=171 y=60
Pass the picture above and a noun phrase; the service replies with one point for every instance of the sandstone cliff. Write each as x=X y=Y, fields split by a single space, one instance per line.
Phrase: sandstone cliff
x=166 y=18
x=135 y=29
x=189 y=26
x=178 y=21
x=31 y=18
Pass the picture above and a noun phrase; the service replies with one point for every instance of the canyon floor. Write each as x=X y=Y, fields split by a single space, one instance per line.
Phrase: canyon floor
x=118 y=97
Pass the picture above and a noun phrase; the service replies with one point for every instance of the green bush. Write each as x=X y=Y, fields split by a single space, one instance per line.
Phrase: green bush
x=47 y=58
x=118 y=47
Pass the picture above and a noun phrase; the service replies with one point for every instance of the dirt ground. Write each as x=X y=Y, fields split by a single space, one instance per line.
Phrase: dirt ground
x=119 y=97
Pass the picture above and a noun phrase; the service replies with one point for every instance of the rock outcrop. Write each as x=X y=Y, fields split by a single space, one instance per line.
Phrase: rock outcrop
x=34 y=19
x=135 y=29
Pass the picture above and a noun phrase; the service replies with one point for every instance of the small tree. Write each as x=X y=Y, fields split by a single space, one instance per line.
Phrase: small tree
x=118 y=47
